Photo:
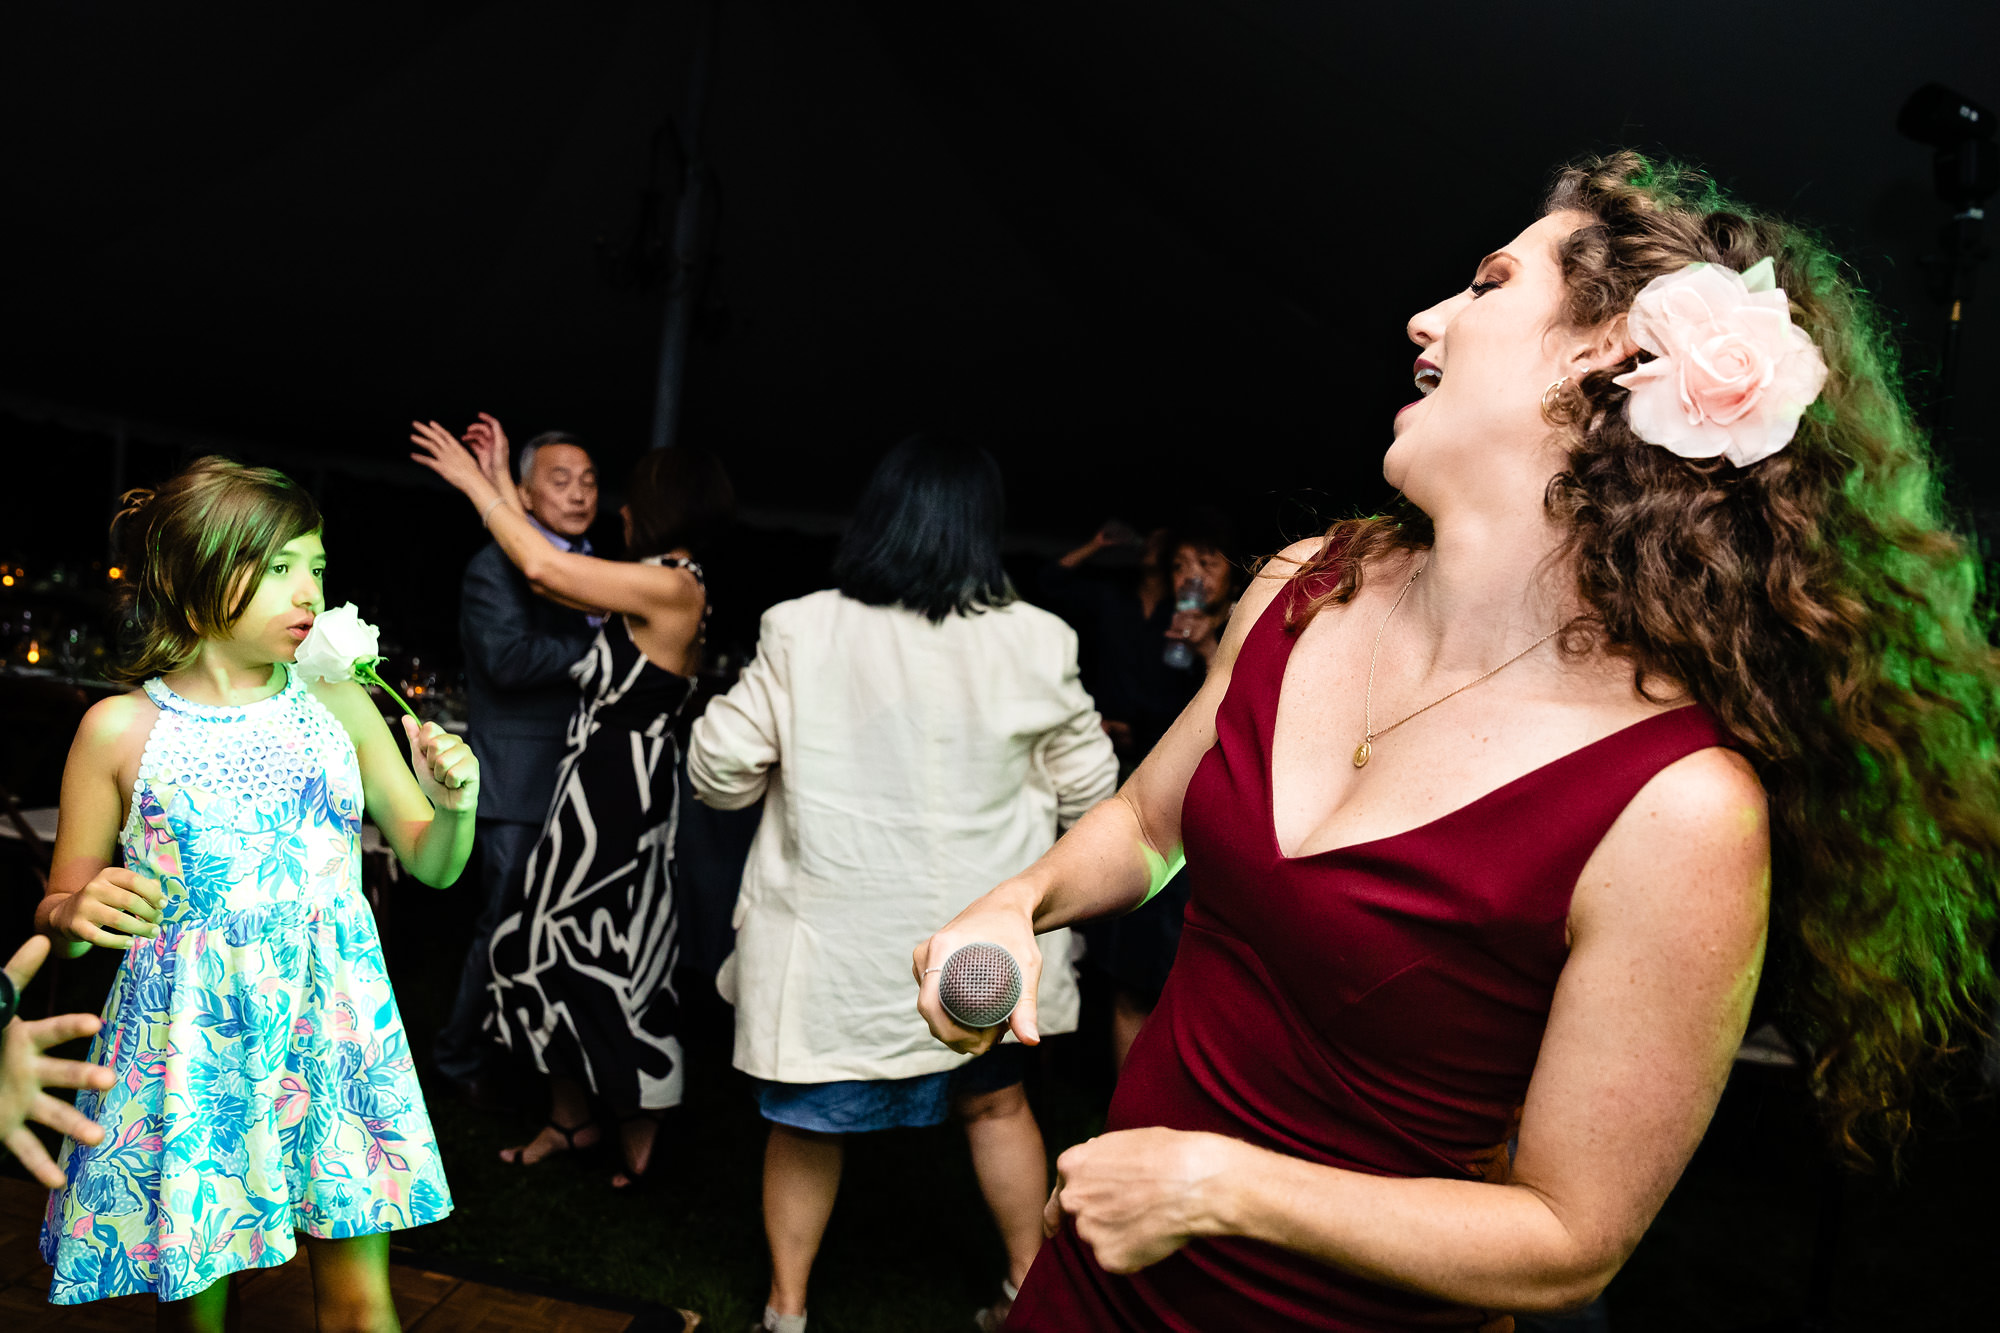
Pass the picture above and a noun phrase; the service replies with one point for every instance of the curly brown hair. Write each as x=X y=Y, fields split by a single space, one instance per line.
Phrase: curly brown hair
x=191 y=549
x=1820 y=606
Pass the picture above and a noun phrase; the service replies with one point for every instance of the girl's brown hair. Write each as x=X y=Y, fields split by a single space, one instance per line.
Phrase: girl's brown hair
x=1820 y=606
x=194 y=552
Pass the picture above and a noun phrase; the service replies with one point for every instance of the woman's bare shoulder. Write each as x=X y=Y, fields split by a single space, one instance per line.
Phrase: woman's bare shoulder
x=668 y=587
x=1269 y=579
x=1282 y=565
x=1687 y=861
x=1712 y=787
x=1702 y=811
x=1277 y=571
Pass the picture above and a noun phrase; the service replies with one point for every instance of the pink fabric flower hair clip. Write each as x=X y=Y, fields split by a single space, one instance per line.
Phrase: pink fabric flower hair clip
x=1730 y=375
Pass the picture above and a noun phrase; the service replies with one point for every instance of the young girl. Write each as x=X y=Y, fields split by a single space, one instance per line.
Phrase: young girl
x=263 y=1081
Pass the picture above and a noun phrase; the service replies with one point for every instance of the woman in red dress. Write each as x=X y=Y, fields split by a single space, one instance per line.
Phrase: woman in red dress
x=1488 y=806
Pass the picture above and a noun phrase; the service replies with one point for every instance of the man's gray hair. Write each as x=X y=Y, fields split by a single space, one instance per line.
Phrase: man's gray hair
x=526 y=463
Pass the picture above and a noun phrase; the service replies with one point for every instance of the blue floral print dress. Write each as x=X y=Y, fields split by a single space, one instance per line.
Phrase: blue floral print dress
x=264 y=1083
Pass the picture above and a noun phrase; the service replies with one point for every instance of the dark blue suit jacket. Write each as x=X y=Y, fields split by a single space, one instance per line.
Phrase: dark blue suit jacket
x=518 y=651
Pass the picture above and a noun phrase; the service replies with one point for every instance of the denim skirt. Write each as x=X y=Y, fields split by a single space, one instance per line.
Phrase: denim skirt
x=857 y=1106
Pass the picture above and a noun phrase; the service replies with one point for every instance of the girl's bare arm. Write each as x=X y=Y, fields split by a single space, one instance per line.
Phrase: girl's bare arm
x=91 y=901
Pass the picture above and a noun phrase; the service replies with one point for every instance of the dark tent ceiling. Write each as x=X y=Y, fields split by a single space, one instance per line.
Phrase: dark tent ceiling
x=1140 y=248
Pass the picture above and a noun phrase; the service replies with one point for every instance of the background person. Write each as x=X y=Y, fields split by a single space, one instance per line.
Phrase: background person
x=582 y=965
x=519 y=649
x=25 y=1072
x=1457 y=871
x=1123 y=629
x=912 y=731
x=1202 y=560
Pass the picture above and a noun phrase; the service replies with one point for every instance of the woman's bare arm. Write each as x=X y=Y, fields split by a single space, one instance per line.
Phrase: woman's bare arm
x=1105 y=863
x=644 y=592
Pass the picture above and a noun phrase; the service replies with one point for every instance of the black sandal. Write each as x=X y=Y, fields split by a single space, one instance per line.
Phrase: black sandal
x=637 y=1181
x=568 y=1132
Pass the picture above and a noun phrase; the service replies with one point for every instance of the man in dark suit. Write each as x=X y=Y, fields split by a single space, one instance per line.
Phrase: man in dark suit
x=518 y=651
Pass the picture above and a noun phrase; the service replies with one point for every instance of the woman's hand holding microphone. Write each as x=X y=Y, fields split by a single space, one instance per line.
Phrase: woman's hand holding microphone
x=1136 y=1195
x=1005 y=917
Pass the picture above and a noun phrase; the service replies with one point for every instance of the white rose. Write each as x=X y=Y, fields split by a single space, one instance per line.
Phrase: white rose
x=339 y=637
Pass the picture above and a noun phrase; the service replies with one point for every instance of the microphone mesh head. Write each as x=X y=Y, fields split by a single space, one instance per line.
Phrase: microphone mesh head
x=980 y=985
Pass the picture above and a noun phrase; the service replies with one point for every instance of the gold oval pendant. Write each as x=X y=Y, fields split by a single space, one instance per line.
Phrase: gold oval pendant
x=1361 y=753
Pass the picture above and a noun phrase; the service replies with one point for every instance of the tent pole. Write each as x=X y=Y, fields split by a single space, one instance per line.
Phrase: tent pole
x=690 y=242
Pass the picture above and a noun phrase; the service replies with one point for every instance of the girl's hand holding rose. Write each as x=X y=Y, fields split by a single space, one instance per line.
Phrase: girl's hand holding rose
x=446 y=769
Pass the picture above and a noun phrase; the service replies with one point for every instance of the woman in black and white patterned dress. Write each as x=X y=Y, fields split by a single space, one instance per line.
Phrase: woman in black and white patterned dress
x=583 y=971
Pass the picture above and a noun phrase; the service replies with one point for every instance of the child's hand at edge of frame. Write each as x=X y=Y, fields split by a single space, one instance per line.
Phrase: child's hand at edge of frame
x=26 y=1070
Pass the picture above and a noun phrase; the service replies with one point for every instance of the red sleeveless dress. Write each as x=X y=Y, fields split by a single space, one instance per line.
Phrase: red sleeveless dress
x=1376 y=1007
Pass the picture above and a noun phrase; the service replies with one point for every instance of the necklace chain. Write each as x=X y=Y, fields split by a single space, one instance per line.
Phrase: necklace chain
x=1364 y=751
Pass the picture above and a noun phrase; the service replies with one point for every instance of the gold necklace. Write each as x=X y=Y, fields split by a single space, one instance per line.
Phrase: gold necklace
x=1364 y=751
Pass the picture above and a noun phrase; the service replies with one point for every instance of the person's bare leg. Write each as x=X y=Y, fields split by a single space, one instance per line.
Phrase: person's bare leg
x=1013 y=1171
x=569 y=1105
x=637 y=1132
x=1128 y=1015
x=351 y=1284
x=207 y=1311
x=801 y=1177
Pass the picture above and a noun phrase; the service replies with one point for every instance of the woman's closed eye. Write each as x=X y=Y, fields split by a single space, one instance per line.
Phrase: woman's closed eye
x=1479 y=289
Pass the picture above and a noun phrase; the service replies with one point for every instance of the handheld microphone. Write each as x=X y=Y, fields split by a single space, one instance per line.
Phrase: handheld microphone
x=979 y=985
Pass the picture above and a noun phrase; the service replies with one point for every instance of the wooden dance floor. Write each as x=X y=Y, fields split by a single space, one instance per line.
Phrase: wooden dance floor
x=280 y=1299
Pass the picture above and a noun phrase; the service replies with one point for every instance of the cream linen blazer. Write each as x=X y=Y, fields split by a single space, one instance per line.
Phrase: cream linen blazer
x=906 y=768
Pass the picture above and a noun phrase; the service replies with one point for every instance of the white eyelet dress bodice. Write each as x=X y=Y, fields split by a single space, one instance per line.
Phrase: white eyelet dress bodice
x=274 y=787
x=264 y=1079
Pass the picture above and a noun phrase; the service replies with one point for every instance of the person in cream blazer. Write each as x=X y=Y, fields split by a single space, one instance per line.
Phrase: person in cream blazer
x=905 y=767
x=917 y=736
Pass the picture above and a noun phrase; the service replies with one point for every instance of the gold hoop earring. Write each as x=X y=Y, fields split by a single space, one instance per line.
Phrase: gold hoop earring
x=1553 y=392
